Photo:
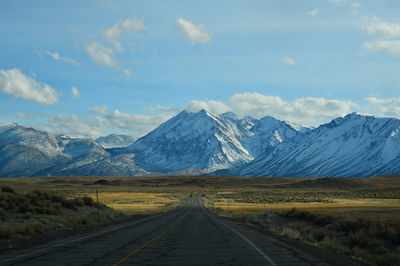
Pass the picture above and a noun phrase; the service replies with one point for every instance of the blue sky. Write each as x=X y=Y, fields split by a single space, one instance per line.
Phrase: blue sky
x=92 y=67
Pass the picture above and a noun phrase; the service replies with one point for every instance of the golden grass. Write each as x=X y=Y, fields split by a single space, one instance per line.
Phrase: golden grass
x=247 y=195
x=136 y=203
x=362 y=207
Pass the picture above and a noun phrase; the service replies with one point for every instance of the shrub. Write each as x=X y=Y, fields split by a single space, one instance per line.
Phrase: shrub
x=44 y=221
x=26 y=206
x=88 y=201
x=6 y=233
x=8 y=201
x=7 y=189
x=253 y=219
x=70 y=204
x=29 y=230
x=3 y=214
x=33 y=229
x=291 y=233
x=335 y=245
x=27 y=215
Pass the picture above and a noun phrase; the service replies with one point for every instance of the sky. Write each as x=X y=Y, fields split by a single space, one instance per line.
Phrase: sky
x=92 y=67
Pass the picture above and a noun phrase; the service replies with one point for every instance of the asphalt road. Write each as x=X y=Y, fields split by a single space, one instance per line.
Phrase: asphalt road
x=189 y=235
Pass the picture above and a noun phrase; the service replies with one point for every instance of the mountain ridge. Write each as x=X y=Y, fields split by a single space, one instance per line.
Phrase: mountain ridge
x=355 y=145
x=207 y=142
x=352 y=146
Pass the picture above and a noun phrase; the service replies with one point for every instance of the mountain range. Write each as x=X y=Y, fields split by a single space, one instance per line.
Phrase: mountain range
x=115 y=141
x=204 y=143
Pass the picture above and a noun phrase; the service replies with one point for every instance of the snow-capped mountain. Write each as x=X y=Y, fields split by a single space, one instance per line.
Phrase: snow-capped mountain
x=204 y=141
x=115 y=141
x=25 y=151
x=201 y=143
x=195 y=143
x=352 y=146
x=119 y=165
x=192 y=140
x=266 y=133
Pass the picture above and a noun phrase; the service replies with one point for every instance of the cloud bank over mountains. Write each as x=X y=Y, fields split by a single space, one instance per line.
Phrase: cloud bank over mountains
x=308 y=111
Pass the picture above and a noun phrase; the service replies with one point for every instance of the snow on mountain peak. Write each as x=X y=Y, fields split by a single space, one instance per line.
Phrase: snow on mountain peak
x=395 y=133
x=202 y=142
x=354 y=145
x=115 y=141
x=230 y=115
x=199 y=140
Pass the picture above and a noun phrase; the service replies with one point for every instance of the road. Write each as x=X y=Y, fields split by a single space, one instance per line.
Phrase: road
x=188 y=235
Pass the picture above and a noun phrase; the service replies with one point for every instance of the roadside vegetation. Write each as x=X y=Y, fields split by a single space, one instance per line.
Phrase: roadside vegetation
x=376 y=242
x=360 y=222
x=23 y=215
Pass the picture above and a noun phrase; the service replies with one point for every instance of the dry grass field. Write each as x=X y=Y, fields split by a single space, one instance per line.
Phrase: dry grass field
x=374 y=198
x=355 y=217
x=137 y=203
x=367 y=197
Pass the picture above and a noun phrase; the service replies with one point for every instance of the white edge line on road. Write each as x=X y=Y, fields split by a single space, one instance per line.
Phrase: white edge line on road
x=34 y=252
x=250 y=243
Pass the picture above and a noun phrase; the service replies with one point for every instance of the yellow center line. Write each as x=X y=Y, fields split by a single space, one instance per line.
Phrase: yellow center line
x=151 y=242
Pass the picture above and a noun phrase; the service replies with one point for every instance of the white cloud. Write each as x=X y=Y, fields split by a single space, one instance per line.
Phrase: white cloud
x=355 y=5
x=15 y=83
x=127 y=72
x=386 y=36
x=74 y=126
x=385 y=107
x=99 y=110
x=313 y=12
x=104 y=56
x=140 y=124
x=123 y=27
x=321 y=108
x=193 y=32
x=346 y=3
x=339 y=2
x=25 y=116
x=212 y=106
x=57 y=57
x=101 y=55
x=75 y=92
x=311 y=111
x=306 y=111
x=288 y=61
x=160 y=108
x=393 y=47
x=379 y=29
x=116 y=121
x=258 y=105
